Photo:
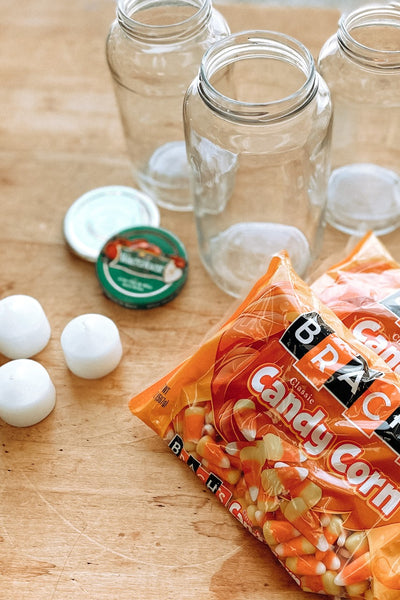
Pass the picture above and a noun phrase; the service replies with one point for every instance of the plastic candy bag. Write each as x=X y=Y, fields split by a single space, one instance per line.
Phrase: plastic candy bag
x=364 y=292
x=285 y=417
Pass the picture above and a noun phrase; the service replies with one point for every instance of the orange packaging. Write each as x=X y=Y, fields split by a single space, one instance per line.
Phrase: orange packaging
x=364 y=292
x=291 y=422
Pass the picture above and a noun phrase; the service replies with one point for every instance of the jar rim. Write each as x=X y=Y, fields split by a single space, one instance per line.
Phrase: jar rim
x=126 y=10
x=258 y=43
x=376 y=14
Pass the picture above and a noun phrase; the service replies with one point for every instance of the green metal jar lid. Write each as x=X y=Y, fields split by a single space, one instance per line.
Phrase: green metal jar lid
x=142 y=267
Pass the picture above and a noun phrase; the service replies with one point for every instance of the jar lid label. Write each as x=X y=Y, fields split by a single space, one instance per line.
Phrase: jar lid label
x=142 y=267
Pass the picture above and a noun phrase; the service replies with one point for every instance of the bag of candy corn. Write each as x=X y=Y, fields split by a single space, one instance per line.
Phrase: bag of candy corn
x=364 y=292
x=290 y=421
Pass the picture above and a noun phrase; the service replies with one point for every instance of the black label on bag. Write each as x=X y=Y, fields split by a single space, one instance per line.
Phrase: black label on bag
x=389 y=431
x=349 y=382
x=306 y=332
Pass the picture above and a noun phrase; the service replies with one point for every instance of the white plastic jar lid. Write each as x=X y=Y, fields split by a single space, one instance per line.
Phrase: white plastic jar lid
x=100 y=213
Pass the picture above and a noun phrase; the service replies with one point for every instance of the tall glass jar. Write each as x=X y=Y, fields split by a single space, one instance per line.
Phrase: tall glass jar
x=361 y=64
x=154 y=49
x=257 y=124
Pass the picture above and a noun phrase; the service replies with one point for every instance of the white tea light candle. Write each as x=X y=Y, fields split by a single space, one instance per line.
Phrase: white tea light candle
x=27 y=394
x=24 y=328
x=91 y=345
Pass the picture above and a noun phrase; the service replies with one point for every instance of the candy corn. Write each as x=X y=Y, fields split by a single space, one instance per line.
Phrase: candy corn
x=252 y=459
x=355 y=571
x=245 y=416
x=333 y=528
x=277 y=449
x=277 y=532
x=210 y=450
x=357 y=543
x=308 y=491
x=305 y=565
x=295 y=547
x=229 y=475
x=321 y=584
x=282 y=479
x=329 y=558
x=193 y=423
x=296 y=512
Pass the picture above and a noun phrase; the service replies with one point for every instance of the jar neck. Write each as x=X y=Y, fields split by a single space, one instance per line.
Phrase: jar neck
x=253 y=45
x=177 y=25
x=366 y=50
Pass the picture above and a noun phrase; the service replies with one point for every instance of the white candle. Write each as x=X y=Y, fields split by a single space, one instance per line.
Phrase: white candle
x=91 y=345
x=24 y=328
x=27 y=394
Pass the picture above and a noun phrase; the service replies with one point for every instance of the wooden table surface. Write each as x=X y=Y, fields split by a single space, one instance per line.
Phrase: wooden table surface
x=92 y=504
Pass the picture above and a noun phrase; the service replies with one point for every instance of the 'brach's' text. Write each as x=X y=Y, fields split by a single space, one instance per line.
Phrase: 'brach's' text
x=326 y=362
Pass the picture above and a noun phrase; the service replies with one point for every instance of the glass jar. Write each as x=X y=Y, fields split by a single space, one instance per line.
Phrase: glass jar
x=361 y=65
x=257 y=124
x=154 y=49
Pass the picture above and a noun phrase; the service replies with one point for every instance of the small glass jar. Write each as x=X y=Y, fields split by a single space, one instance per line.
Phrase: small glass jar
x=154 y=49
x=257 y=123
x=361 y=65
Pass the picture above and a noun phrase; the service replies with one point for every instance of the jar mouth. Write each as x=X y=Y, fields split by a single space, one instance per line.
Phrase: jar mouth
x=176 y=26
x=272 y=47
x=365 y=20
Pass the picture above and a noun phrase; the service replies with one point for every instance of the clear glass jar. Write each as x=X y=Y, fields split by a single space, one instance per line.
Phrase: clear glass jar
x=257 y=124
x=154 y=49
x=361 y=65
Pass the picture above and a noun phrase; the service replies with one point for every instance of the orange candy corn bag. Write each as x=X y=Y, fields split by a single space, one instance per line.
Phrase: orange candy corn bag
x=364 y=291
x=288 y=419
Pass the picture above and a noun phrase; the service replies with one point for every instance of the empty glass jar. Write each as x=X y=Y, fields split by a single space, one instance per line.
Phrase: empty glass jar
x=361 y=64
x=257 y=123
x=154 y=50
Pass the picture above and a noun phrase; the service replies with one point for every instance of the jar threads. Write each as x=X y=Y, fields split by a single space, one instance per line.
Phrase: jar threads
x=250 y=45
x=368 y=17
x=180 y=28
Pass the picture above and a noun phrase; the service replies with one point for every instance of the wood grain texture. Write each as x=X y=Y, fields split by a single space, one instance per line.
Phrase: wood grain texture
x=92 y=504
